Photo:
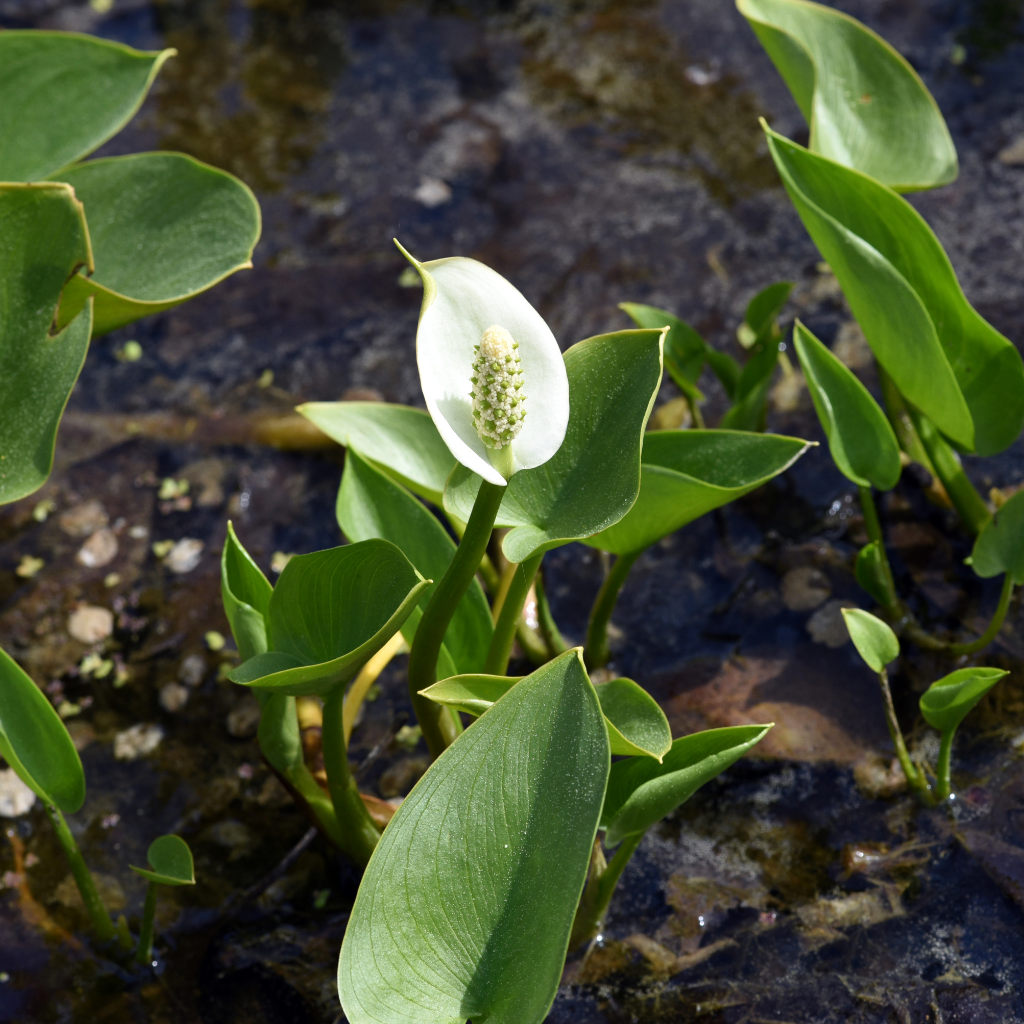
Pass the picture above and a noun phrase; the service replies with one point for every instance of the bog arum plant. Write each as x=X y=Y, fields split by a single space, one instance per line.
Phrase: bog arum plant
x=472 y=320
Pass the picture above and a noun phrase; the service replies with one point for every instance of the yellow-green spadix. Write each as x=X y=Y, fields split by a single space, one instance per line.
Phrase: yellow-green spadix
x=490 y=368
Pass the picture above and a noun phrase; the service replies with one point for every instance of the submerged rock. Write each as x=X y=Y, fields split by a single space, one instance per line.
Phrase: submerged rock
x=90 y=623
x=15 y=797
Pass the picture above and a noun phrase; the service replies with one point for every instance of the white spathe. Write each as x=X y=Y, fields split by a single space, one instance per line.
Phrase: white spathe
x=461 y=299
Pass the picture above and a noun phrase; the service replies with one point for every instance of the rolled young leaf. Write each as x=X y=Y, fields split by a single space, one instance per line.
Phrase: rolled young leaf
x=943 y=357
x=870 y=570
x=686 y=473
x=765 y=308
x=636 y=724
x=329 y=613
x=45 y=239
x=401 y=440
x=461 y=300
x=170 y=862
x=875 y=641
x=1000 y=545
x=860 y=438
x=64 y=95
x=372 y=505
x=948 y=701
x=594 y=478
x=865 y=105
x=465 y=909
x=164 y=228
x=35 y=743
x=245 y=592
x=641 y=791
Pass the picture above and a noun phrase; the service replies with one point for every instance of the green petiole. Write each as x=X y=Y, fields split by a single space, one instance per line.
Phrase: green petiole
x=596 y=651
x=98 y=916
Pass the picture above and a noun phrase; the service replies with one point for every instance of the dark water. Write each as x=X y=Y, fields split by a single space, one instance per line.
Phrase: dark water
x=593 y=152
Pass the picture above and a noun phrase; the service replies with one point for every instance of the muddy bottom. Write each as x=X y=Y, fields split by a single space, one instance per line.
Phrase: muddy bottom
x=594 y=152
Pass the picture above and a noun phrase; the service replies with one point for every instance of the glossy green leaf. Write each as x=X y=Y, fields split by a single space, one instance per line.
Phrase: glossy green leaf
x=64 y=96
x=171 y=862
x=245 y=592
x=689 y=472
x=636 y=724
x=641 y=791
x=685 y=351
x=34 y=742
x=370 y=504
x=750 y=402
x=865 y=105
x=164 y=228
x=860 y=438
x=876 y=643
x=944 y=358
x=44 y=239
x=465 y=909
x=329 y=613
x=765 y=308
x=1000 y=545
x=870 y=571
x=948 y=701
x=473 y=693
x=401 y=440
x=594 y=478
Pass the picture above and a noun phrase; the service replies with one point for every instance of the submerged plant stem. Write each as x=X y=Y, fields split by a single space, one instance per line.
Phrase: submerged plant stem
x=874 y=528
x=943 y=785
x=438 y=726
x=993 y=627
x=101 y=923
x=508 y=618
x=359 y=834
x=915 y=779
x=965 y=497
x=599 y=890
x=548 y=627
x=596 y=652
x=144 y=955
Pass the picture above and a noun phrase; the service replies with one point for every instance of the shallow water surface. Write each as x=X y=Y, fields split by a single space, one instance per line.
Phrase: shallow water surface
x=593 y=151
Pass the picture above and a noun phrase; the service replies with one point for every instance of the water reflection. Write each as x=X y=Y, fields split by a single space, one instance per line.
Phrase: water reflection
x=250 y=101
x=610 y=66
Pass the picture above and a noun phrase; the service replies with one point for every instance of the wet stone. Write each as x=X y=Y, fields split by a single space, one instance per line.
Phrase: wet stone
x=805 y=588
x=174 y=697
x=90 y=624
x=192 y=670
x=184 y=556
x=244 y=720
x=99 y=550
x=827 y=625
x=84 y=519
x=15 y=797
x=137 y=741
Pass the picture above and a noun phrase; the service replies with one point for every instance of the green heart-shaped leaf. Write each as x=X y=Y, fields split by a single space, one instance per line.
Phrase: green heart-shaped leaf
x=948 y=701
x=636 y=724
x=689 y=472
x=641 y=791
x=594 y=478
x=875 y=641
x=1000 y=545
x=164 y=228
x=860 y=438
x=370 y=504
x=401 y=440
x=465 y=909
x=245 y=592
x=944 y=358
x=865 y=105
x=44 y=241
x=171 y=862
x=329 y=613
x=34 y=742
x=685 y=351
x=64 y=96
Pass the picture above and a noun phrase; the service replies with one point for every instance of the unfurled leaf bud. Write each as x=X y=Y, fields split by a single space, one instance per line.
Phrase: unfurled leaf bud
x=499 y=402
